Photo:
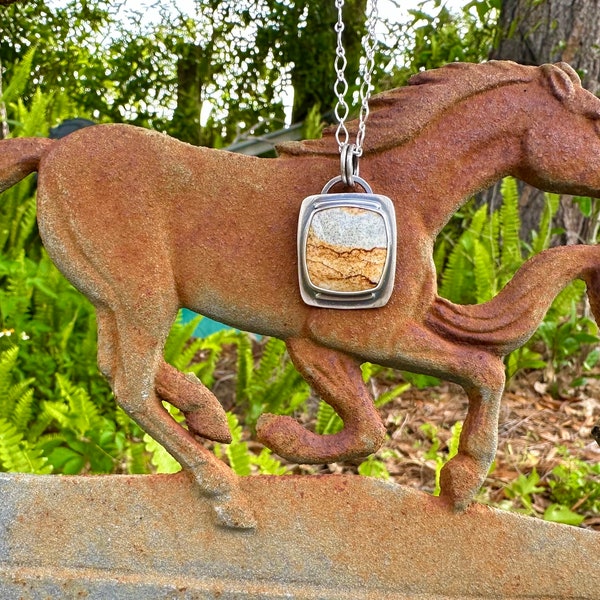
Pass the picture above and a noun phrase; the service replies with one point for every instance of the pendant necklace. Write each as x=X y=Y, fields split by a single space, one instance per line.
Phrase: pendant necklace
x=347 y=240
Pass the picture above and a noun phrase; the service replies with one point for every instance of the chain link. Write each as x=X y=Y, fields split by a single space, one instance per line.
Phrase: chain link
x=369 y=44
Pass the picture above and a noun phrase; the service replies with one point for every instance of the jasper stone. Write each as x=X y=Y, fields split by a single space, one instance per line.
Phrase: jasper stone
x=346 y=249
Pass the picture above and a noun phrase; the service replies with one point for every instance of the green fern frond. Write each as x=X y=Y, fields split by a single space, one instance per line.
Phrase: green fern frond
x=23 y=411
x=136 y=459
x=26 y=219
x=479 y=221
x=83 y=414
x=563 y=304
x=8 y=361
x=267 y=464
x=19 y=79
x=542 y=237
x=212 y=348
x=485 y=276
x=179 y=337
x=457 y=277
x=510 y=224
x=289 y=388
x=369 y=370
x=162 y=461
x=244 y=369
x=270 y=361
x=237 y=451
x=34 y=122
x=328 y=421
x=18 y=455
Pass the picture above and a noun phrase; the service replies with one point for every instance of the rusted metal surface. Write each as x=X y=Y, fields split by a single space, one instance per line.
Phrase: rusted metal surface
x=326 y=538
x=144 y=224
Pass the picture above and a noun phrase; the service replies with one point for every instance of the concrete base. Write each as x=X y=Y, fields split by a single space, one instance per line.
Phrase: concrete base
x=333 y=537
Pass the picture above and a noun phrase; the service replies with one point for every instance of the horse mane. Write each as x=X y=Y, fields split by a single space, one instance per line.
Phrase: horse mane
x=398 y=115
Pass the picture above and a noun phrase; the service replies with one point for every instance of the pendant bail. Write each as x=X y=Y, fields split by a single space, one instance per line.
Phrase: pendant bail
x=348 y=164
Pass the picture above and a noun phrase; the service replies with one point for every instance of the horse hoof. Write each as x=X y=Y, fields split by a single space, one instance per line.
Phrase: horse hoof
x=460 y=480
x=234 y=514
x=209 y=424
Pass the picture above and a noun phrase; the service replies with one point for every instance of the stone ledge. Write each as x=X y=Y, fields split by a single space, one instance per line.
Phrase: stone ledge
x=332 y=537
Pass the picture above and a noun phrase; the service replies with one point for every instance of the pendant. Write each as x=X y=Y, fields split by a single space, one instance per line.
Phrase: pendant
x=346 y=248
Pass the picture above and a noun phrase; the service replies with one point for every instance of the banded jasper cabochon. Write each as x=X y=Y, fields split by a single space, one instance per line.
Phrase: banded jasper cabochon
x=346 y=249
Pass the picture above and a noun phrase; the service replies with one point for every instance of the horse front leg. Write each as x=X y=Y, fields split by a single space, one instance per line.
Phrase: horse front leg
x=203 y=413
x=131 y=356
x=337 y=379
x=462 y=476
x=481 y=375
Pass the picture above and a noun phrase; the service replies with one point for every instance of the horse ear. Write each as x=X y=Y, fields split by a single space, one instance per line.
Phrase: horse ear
x=570 y=71
x=560 y=81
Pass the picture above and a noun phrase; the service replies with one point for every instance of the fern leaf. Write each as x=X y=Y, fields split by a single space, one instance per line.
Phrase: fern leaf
x=510 y=224
x=23 y=411
x=457 y=277
x=267 y=464
x=26 y=222
x=162 y=461
x=328 y=421
x=18 y=455
x=485 y=276
x=83 y=415
x=179 y=337
x=542 y=238
x=440 y=254
x=136 y=459
x=237 y=451
x=286 y=392
x=244 y=369
x=270 y=362
x=19 y=79
x=8 y=361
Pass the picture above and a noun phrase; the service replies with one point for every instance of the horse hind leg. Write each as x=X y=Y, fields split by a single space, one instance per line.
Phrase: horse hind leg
x=131 y=357
x=337 y=378
x=462 y=476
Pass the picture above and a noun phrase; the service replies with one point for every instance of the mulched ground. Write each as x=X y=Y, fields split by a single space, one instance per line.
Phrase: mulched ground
x=535 y=426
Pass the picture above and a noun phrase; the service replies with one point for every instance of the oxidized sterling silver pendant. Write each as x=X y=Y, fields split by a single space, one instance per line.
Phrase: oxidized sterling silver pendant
x=346 y=248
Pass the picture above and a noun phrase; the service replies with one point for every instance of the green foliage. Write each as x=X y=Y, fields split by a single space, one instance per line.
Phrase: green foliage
x=435 y=454
x=522 y=491
x=487 y=253
x=197 y=355
x=241 y=459
x=569 y=343
x=272 y=386
x=329 y=422
x=374 y=465
x=574 y=484
x=484 y=258
x=435 y=35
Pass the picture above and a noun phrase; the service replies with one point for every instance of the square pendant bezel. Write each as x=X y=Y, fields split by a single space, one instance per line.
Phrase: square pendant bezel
x=324 y=298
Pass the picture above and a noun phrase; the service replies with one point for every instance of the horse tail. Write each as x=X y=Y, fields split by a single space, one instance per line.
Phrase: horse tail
x=507 y=321
x=19 y=157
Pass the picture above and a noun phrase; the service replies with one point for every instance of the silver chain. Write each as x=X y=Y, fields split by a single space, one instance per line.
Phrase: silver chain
x=367 y=65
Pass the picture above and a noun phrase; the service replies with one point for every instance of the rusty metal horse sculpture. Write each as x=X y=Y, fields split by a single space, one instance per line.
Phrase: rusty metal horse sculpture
x=143 y=224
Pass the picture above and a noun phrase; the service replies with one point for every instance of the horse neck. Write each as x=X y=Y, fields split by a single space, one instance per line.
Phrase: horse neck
x=461 y=152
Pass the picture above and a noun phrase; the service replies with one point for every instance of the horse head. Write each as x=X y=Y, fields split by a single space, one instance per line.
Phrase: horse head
x=562 y=145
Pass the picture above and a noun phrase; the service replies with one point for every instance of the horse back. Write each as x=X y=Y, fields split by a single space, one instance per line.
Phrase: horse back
x=135 y=209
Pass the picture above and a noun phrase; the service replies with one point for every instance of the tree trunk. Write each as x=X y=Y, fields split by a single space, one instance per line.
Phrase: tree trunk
x=546 y=31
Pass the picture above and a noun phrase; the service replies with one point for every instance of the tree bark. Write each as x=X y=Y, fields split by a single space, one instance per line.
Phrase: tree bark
x=535 y=32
